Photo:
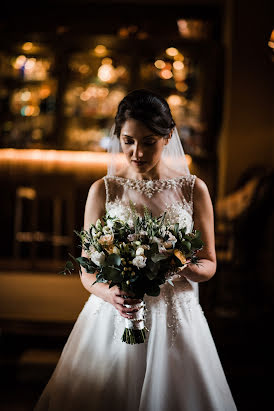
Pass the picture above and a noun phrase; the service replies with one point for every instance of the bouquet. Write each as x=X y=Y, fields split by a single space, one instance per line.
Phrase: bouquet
x=136 y=257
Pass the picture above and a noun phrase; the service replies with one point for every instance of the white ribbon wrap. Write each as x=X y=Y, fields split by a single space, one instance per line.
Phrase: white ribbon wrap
x=137 y=322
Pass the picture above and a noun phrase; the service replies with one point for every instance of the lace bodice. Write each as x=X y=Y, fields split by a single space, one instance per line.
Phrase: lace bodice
x=173 y=196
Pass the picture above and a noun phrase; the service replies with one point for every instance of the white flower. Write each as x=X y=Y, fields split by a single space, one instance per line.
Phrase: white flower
x=140 y=251
x=107 y=230
x=98 y=224
x=171 y=237
x=94 y=232
x=139 y=261
x=106 y=239
x=110 y=223
x=97 y=258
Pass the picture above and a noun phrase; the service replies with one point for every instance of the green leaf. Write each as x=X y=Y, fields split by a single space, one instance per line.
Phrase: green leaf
x=197 y=243
x=187 y=245
x=112 y=274
x=154 y=267
x=69 y=265
x=176 y=228
x=158 y=257
x=113 y=259
x=151 y=275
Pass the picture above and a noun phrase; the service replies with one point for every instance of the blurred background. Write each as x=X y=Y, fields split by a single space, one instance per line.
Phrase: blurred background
x=64 y=67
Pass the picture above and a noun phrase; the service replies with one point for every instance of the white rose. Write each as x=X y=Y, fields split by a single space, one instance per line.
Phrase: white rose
x=110 y=223
x=107 y=230
x=97 y=258
x=140 y=251
x=139 y=261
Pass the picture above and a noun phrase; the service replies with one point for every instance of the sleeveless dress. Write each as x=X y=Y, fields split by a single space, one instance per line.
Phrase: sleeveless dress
x=177 y=368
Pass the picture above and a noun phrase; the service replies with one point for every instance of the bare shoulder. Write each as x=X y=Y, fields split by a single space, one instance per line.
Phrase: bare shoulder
x=201 y=198
x=97 y=188
x=200 y=189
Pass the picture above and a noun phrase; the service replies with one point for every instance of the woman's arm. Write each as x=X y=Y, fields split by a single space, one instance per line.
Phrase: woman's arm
x=203 y=218
x=94 y=209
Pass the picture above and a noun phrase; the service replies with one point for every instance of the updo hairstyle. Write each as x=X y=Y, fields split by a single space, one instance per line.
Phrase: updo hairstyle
x=147 y=107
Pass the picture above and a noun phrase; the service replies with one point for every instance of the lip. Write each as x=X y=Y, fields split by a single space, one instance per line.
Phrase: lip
x=138 y=163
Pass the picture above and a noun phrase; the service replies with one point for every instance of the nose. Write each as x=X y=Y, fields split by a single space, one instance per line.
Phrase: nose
x=138 y=152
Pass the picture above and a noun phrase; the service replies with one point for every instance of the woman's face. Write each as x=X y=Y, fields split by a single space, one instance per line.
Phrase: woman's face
x=141 y=146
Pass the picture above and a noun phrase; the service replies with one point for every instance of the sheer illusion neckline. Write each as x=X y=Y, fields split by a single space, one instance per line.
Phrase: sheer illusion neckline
x=145 y=181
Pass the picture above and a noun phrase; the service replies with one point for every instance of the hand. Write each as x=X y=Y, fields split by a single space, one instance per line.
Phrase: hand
x=115 y=296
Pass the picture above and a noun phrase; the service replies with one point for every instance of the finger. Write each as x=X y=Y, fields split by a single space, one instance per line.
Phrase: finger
x=123 y=312
x=131 y=301
x=120 y=300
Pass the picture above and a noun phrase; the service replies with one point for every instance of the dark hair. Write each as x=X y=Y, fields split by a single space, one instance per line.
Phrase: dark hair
x=149 y=108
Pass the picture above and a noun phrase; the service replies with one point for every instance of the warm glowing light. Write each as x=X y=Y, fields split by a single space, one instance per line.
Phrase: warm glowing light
x=107 y=60
x=100 y=50
x=26 y=95
x=179 y=57
x=85 y=96
x=181 y=87
x=27 y=46
x=44 y=92
x=271 y=44
x=172 y=51
x=107 y=73
x=121 y=71
x=174 y=100
x=178 y=65
x=59 y=158
x=19 y=62
x=30 y=63
x=160 y=64
x=272 y=36
x=28 y=111
x=123 y=32
x=84 y=69
x=166 y=74
x=188 y=159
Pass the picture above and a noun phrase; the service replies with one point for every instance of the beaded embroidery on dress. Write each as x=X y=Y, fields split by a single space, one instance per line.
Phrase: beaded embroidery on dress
x=177 y=368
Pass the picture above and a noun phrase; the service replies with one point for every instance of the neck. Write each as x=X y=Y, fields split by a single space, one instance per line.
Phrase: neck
x=156 y=173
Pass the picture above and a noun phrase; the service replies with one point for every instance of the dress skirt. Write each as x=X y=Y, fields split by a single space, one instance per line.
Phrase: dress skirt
x=176 y=369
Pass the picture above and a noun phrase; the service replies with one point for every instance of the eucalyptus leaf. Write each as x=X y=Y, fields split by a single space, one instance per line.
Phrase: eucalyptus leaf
x=158 y=257
x=113 y=259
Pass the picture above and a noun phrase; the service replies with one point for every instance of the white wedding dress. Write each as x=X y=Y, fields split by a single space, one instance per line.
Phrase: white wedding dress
x=177 y=368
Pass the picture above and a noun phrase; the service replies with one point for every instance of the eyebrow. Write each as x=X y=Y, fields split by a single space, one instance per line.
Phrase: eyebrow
x=150 y=135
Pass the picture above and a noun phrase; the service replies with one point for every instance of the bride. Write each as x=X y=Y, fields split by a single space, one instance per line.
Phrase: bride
x=177 y=368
